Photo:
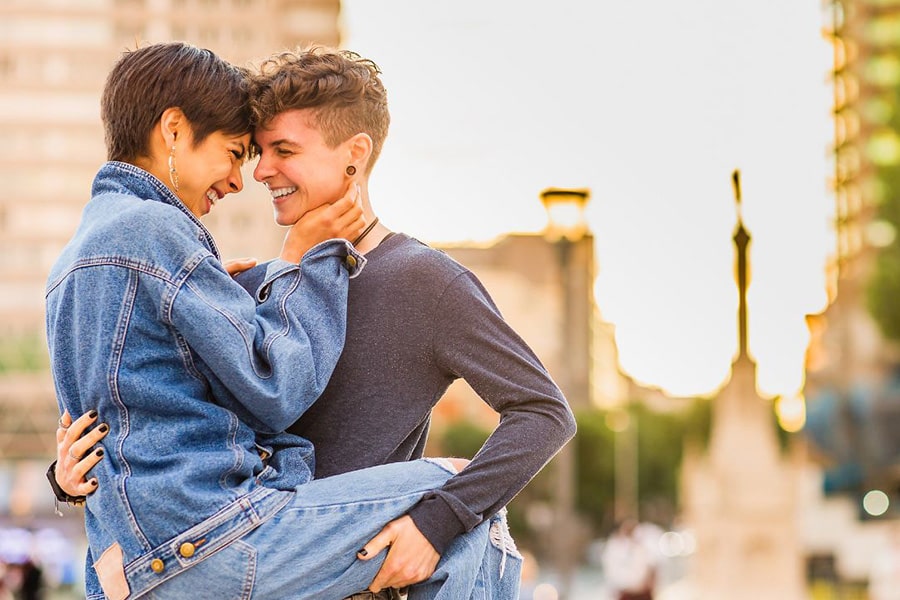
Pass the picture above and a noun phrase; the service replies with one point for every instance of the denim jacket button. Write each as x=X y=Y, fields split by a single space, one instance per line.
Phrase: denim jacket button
x=157 y=566
x=186 y=550
x=351 y=261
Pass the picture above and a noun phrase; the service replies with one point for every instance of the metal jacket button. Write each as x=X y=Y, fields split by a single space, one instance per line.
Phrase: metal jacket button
x=157 y=565
x=186 y=550
x=351 y=261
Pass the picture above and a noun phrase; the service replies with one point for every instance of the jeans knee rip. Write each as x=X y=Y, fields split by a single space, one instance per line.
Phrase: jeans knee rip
x=444 y=463
x=502 y=540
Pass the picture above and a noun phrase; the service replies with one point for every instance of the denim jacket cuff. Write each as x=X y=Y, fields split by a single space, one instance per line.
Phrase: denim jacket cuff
x=353 y=260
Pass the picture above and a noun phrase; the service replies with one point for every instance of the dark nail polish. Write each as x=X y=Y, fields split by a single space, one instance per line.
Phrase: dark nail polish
x=363 y=552
x=92 y=414
x=103 y=428
x=99 y=451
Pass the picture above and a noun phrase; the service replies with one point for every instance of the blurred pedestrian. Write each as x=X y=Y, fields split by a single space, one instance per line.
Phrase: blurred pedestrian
x=884 y=578
x=5 y=593
x=32 y=581
x=629 y=563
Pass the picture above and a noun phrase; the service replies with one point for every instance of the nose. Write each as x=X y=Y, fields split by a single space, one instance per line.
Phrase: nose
x=262 y=171
x=236 y=179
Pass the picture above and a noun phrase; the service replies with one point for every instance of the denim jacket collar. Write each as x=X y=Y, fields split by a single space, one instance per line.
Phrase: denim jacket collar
x=121 y=177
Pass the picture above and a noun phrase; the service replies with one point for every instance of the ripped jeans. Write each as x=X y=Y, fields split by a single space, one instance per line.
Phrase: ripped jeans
x=499 y=575
x=307 y=549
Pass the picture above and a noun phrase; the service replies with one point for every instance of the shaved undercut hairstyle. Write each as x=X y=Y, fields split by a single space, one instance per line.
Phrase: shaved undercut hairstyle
x=342 y=88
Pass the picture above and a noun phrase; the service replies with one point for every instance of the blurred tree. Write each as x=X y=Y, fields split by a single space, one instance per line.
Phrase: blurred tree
x=867 y=119
x=26 y=353
x=661 y=440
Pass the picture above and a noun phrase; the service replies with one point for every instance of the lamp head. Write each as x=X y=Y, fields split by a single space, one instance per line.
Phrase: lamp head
x=565 y=212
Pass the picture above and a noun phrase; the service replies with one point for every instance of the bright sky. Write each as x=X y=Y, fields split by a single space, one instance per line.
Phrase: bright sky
x=651 y=105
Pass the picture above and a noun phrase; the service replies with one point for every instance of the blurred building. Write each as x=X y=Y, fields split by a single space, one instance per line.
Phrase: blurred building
x=852 y=379
x=528 y=282
x=54 y=57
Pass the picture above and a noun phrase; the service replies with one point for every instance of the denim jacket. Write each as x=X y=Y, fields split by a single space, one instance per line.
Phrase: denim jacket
x=194 y=378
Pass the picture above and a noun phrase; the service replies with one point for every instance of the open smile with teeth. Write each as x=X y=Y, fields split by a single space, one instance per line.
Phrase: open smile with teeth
x=212 y=196
x=279 y=192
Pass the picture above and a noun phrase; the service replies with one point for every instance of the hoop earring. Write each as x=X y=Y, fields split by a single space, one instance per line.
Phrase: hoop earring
x=351 y=170
x=173 y=171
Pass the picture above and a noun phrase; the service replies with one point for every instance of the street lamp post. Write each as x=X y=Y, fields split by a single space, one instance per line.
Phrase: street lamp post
x=623 y=422
x=566 y=227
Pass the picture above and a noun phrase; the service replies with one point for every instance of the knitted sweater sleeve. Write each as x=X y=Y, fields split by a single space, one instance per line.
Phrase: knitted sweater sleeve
x=473 y=341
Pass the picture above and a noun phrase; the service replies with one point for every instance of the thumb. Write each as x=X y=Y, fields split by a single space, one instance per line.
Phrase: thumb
x=376 y=544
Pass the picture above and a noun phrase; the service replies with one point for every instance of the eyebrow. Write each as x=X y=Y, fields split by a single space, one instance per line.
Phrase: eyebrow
x=283 y=142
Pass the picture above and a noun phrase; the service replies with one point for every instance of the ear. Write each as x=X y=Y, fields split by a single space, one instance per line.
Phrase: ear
x=360 y=149
x=172 y=124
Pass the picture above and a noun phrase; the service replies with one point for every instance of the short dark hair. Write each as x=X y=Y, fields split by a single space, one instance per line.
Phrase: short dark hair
x=342 y=88
x=212 y=93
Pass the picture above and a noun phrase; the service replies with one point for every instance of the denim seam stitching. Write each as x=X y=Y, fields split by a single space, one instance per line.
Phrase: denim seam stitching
x=118 y=346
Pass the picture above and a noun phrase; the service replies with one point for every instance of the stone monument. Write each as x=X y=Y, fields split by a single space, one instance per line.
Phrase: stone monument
x=741 y=497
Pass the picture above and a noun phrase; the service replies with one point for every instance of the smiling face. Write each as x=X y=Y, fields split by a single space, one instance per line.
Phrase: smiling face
x=209 y=170
x=301 y=171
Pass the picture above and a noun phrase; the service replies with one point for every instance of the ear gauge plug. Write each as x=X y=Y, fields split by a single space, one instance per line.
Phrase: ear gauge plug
x=350 y=170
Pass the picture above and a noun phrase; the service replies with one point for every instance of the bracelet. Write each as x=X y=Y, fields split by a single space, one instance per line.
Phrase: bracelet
x=59 y=493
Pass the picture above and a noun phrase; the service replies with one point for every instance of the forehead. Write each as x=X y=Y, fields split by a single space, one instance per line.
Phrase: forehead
x=220 y=137
x=291 y=126
x=242 y=139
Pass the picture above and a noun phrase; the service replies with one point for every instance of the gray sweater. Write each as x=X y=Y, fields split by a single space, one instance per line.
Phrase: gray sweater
x=416 y=321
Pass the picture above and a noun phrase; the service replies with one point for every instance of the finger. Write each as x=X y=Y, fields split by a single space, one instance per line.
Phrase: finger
x=378 y=583
x=80 y=484
x=386 y=574
x=395 y=574
x=376 y=544
x=76 y=430
x=343 y=212
x=65 y=421
x=351 y=198
x=239 y=265
x=352 y=223
x=71 y=474
x=340 y=207
x=83 y=445
x=353 y=193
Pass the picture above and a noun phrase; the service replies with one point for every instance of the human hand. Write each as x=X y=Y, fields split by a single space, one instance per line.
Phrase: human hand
x=74 y=454
x=237 y=266
x=341 y=219
x=411 y=558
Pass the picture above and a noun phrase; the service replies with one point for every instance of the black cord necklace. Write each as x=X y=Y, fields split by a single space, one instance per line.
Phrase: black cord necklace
x=366 y=231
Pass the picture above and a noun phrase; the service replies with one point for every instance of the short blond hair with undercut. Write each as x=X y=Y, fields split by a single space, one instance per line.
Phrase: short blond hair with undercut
x=342 y=89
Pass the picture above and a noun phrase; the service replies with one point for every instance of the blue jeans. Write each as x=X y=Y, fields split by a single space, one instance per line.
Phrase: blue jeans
x=308 y=548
